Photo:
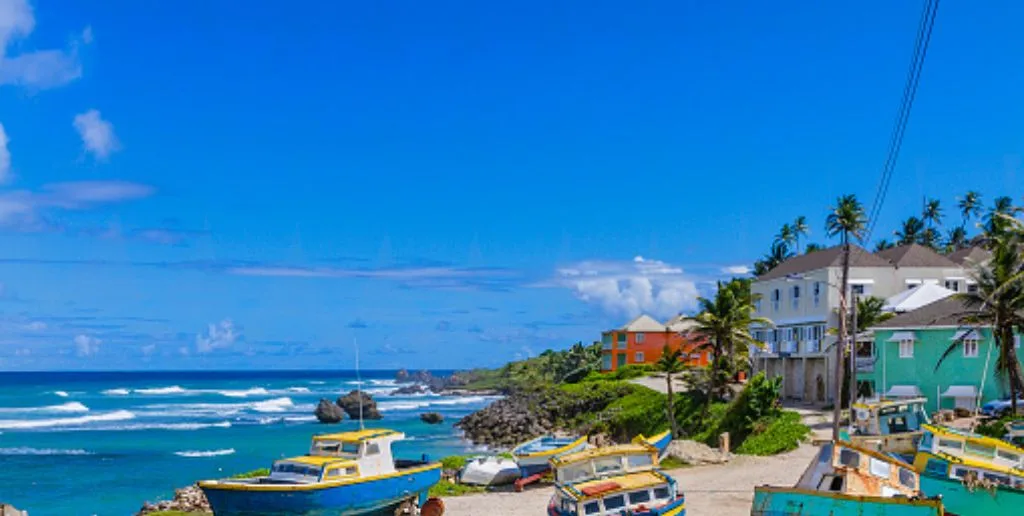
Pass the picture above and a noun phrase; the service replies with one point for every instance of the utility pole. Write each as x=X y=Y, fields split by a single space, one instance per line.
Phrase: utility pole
x=837 y=391
x=853 y=360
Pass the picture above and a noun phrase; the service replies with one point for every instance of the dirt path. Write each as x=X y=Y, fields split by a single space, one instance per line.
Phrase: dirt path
x=724 y=490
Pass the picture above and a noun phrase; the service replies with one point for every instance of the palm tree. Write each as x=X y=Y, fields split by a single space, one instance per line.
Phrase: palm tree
x=932 y=214
x=670 y=363
x=956 y=239
x=930 y=238
x=786 y=235
x=812 y=247
x=800 y=229
x=778 y=253
x=970 y=206
x=910 y=231
x=998 y=302
x=870 y=313
x=994 y=223
x=723 y=327
x=847 y=220
x=883 y=244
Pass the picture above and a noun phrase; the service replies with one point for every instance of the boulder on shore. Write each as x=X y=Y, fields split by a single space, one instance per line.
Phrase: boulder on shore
x=696 y=453
x=353 y=401
x=187 y=499
x=327 y=412
x=431 y=418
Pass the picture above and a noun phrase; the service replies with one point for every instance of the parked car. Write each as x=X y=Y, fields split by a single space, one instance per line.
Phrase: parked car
x=999 y=408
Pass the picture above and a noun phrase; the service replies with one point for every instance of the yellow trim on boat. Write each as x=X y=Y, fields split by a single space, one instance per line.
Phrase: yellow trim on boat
x=240 y=486
x=355 y=436
x=640 y=439
x=676 y=511
x=555 y=451
x=895 y=500
x=980 y=439
x=889 y=403
x=955 y=460
x=318 y=460
x=604 y=451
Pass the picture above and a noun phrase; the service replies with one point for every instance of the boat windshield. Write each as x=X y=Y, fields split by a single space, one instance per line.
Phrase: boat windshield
x=335 y=449
x=290 y=471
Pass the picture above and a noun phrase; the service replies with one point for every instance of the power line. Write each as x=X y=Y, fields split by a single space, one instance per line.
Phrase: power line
x=924 y=35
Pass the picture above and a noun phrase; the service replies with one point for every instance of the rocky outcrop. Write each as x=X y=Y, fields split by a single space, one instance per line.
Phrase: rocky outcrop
x=409 y=390
x=696 y=453
x=327 y=412
x=431 y=418
x=433 y=383
x=352 y=402
x=188 y=499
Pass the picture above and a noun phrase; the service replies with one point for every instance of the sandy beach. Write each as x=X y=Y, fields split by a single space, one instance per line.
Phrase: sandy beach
x=721 y=490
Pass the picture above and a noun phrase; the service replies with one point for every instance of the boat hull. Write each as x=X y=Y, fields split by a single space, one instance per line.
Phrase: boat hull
x=676 y=507
x=659 y=441
x=776 y=501
x=537 y=462
x=363 y=497
x=490 y=472
x=960 y=501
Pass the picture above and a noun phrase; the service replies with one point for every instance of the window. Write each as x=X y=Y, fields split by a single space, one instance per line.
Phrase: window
x=607 y=465
x=825 y=455
x=849 y=458
x=960 y=472
x=638 y=357
x=621 y=338
x=637 y=461
x=879 y=468
x=907 y=478
x=796 y=297
x=661 y=492
x=1016 y=341
x=372 y=449
x=972 y=287
x=592 y=508
x=757 y=305
x=935 y=467
x=953 y=285
x=970 y=348
x=951 y=444
x=639 y=497
x=817 y=293
x=857 y=290
x=639 y=338
x=614 y=502
x=776 y=297
x=1012 y=457
x=906 y=349
x=981 y=450
x=350 y=448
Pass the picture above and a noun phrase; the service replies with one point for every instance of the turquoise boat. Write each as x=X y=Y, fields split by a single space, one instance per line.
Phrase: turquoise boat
x=972 y=473
x=614 y=480
x=844 y=480
x=344 y=474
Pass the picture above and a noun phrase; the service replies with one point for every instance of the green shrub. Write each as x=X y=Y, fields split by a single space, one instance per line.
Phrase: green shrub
x=781 y=433
x=672 y=463
x=447 y=488
x=758 y=401
x=996 y=427
x=629 y=372
x=262 y=472
x=455 y=462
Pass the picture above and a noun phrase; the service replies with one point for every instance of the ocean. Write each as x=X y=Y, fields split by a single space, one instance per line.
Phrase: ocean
x=102 y=443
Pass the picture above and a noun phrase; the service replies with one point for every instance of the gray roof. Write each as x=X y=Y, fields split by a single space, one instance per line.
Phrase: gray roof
x=944 y=312
x=831 y=257
x=970 y=255
x=916 y=255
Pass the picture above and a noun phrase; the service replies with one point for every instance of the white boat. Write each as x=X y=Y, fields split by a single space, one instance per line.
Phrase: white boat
x=489 y=471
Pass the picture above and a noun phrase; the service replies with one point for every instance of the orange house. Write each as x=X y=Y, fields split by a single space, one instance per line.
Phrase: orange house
x=642 y=341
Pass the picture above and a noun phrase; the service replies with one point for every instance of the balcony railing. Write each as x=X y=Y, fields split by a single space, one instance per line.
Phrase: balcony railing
x=790 y=347
x=812 y=346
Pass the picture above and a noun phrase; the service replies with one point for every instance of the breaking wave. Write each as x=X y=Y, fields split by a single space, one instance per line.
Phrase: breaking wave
x=70 y=407
x=62 y=394
x=25 y=424
x=417 y=404
x=116 y=392
x=41 y=451
x=208 y=453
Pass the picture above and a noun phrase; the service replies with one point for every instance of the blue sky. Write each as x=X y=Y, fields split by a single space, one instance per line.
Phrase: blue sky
x=195 y=185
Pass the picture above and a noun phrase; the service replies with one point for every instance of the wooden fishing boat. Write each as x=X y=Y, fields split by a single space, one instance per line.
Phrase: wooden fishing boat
x=890 y=426
x=533 y=456
x=974 y=474
x=348 y=473
x=614 y=480
x=659 y=441
x=844 y=480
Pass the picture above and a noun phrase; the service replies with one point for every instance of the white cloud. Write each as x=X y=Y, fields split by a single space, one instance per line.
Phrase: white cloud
x=736 y=269
x=631 y=288
x=38 y=69
x=217 y=336
x=25 y=210
x=5 y=157
x=148 y=349
x=97 y=134
x=86 y=345
x=35 y=326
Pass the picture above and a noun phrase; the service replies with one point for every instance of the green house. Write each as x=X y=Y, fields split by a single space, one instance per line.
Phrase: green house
x=901 y=360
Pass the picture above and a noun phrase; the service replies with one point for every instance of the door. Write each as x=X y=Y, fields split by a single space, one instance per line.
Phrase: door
x=620 y=360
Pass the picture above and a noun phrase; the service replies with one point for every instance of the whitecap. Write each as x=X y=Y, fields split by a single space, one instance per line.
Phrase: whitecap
x=273 y=405
x=62 y=394
x=69 y=407
x=22 y=424
x=41 y=451
x=207 y=453
x=174 y=389
x=317 y=382
x=413 y=404
x=300 y=390
x=116 y=392
x=161 y=426
x=255 y=391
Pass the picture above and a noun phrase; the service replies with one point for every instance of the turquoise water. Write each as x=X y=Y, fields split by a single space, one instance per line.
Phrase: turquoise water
x=103 y=443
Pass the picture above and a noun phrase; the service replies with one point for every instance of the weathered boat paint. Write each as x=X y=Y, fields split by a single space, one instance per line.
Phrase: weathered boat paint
x=533 y=456
x=789 y=501
x=959 y=500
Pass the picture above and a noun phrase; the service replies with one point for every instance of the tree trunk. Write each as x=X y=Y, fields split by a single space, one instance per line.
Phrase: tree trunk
x=671 y=408
x=837 y=401
x=1013 y=368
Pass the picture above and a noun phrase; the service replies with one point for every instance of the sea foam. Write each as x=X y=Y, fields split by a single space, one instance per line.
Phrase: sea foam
x=206 y=453
x=64 y=408
x=25 y=424
x=62 y=394
x=41 y=451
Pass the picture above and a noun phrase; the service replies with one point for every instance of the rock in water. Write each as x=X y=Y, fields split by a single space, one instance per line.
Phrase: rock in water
x=188 y=499
x=409 y=390
x=350 y=403
x=431 y=418
x=327 y=412
x=402 y=376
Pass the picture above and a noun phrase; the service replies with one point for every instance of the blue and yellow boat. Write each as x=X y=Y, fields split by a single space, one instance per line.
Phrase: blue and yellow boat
x=974 y=474
x=890 y=426
x=614 y=480
x=844 y=480
x=659 y=441
x=348 y=473
x=533 y=456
